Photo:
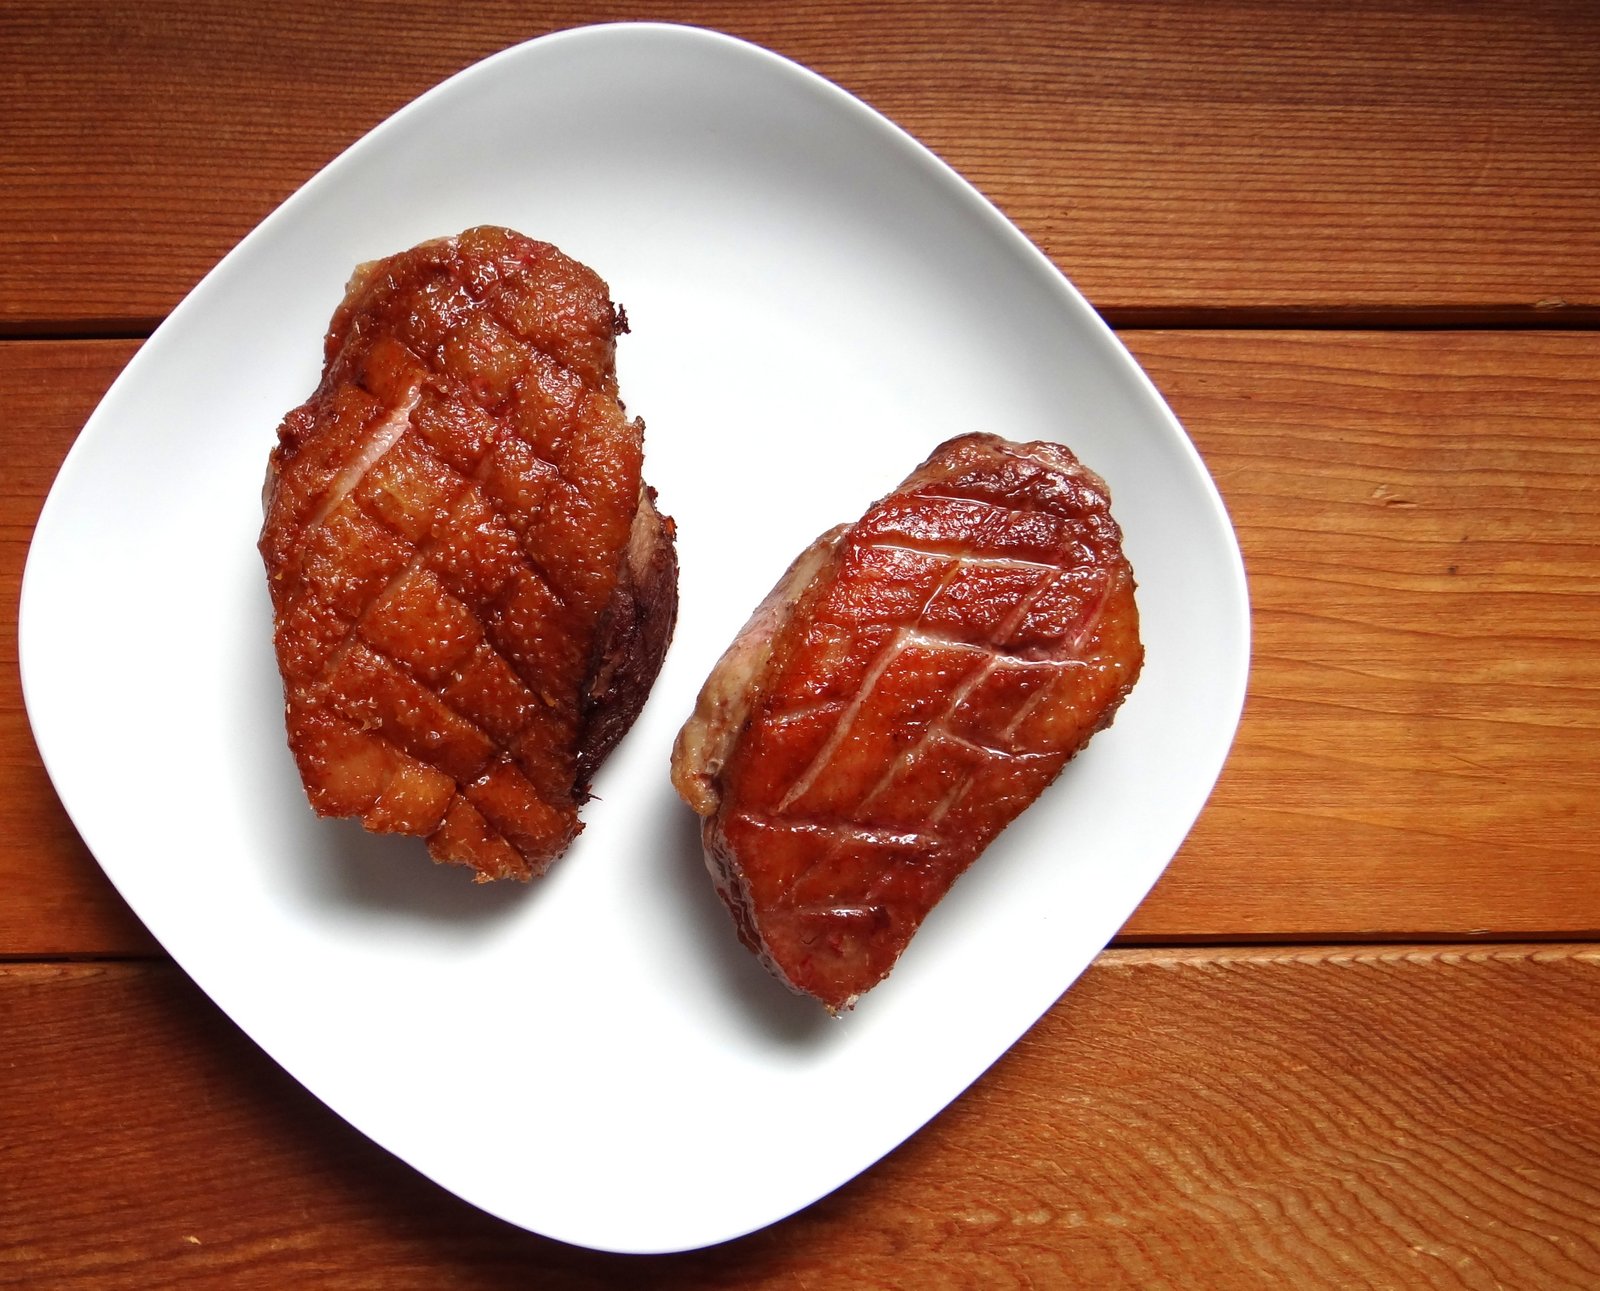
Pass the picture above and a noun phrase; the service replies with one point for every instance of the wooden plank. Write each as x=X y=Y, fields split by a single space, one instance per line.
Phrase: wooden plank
x=1421 y=744
x=1241 y=1118
x=1362 y=160
x=1420 y=752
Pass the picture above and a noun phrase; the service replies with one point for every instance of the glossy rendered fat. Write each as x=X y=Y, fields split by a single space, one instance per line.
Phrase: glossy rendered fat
x=471 y=586
x=909 y=687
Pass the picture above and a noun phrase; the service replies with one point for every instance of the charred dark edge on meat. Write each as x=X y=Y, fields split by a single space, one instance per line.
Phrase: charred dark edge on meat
x=630 y=644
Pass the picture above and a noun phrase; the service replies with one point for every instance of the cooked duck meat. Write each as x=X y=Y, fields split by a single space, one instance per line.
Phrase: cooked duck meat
x=472 y=587
x=912 y=683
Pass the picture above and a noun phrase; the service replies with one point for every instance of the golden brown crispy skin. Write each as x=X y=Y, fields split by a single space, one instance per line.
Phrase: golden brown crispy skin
x=911 y=685
x=472 y=587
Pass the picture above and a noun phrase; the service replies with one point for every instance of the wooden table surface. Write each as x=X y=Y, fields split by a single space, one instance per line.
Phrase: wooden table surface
x=1351 y=1038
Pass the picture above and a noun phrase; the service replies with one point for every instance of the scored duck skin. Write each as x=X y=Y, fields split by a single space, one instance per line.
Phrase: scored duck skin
x=471 y=585
x=908 y=688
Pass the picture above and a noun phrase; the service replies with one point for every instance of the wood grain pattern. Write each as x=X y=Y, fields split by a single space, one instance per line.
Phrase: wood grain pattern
x=1318 y=1118
x=1420 y=750
x=1368 y=160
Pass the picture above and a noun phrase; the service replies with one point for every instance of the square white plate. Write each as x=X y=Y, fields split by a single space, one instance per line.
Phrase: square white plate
x=816 y=301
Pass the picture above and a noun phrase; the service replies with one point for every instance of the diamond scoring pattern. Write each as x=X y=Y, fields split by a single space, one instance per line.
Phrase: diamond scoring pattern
x=977 y=627
x=430 y=654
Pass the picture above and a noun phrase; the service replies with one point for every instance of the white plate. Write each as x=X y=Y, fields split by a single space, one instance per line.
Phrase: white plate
x=816 y=301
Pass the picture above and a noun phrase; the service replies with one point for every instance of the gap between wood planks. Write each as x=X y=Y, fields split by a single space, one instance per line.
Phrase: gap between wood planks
x=1546 y=315
x=1564 y=944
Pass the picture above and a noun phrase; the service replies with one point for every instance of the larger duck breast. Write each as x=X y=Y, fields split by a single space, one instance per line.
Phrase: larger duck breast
x=472 y=587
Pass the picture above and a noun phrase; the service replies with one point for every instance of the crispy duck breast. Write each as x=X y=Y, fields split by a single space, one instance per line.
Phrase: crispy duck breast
x=472 y=588
x=913 y=683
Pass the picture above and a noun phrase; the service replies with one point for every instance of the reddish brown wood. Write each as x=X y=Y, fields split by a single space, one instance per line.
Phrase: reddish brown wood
x=1248 y=1119
x=1365 y=159
x=1420 y=750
